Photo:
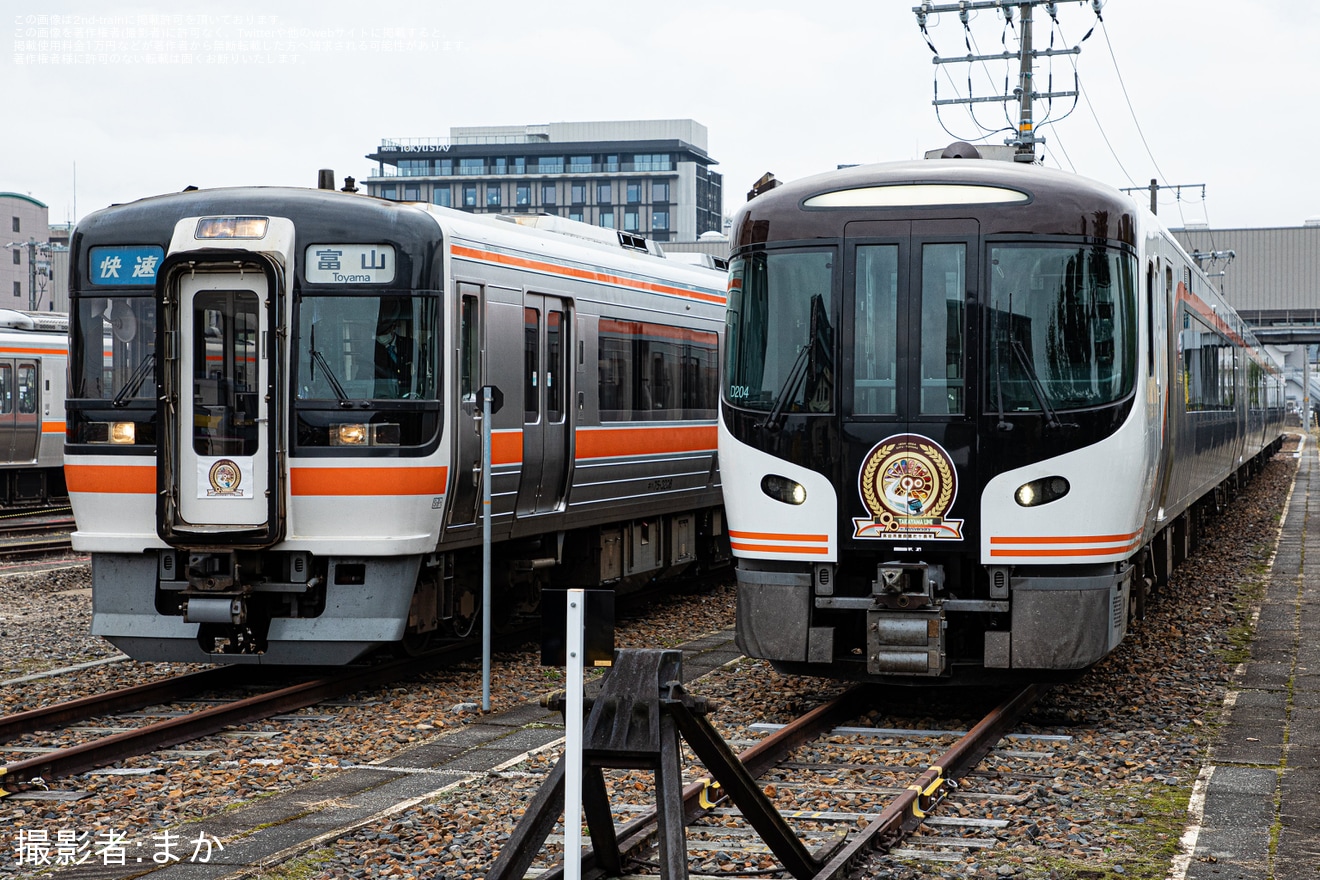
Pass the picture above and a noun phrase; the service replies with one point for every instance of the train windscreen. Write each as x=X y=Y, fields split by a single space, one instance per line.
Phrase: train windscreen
x=779 y=332
x=1063 y=327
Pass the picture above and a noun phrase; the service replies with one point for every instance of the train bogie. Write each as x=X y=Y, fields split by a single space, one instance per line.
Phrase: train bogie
x=276 y=455
x=969 y=410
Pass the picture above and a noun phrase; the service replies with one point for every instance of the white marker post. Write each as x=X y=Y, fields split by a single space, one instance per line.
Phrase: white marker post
x=486 y=397
x=574 y=650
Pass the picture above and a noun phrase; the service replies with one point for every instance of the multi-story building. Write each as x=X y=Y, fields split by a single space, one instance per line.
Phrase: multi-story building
x=25 y=264
x=648 y=177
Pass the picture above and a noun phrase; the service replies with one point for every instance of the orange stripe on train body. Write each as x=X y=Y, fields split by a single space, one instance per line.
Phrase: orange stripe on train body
x=778 y=548
x=1065 y=539
x=659 y=440
x=141 y=480
x=53 y=427
x=776 y=536
x=15 y=349
x=122 y=479
x=473 y=253
x=1078 y=551
x=368 y=480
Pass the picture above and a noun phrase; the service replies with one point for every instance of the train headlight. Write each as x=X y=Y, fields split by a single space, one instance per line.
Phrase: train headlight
x=231 y=227
x=349 y=435
x=783 y=489
x=116 y=433
x=1041 y=491
x=361 y=434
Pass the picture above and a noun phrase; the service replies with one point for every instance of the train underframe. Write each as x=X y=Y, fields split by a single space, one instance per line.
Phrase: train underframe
x=294 y=607
x=951 y=618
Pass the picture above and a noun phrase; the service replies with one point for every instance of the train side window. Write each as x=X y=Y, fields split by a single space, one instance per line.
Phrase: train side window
x=554 y=372
x=531 y=364
x=27 y=389
x=943 y=291
x=653 y=371
x=469 y=352
x=6 y=389
x=875 y=322
x=1150 y=319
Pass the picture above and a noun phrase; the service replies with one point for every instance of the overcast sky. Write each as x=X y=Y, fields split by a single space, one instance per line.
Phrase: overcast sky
x=152 y=97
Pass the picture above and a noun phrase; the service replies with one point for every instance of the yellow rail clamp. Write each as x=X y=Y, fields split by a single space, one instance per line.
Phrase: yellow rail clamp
x=709 y=788
x=928 y=792
x=3 y=791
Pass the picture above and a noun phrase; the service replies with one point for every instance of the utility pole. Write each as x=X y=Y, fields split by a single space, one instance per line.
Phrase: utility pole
x=1156 y=186
x=1024 y=138
x=1026 y=144
x=33 y=248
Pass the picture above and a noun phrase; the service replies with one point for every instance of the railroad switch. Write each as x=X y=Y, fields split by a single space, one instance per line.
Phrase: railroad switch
x=635 y=724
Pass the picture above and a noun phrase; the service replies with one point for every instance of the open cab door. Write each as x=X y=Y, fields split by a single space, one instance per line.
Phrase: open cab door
x=220 y=474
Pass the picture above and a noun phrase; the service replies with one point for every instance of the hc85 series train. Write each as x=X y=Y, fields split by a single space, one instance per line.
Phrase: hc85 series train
x=972 y=412
x=274 y=442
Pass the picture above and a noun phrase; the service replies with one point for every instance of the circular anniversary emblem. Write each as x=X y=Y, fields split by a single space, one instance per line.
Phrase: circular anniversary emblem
x=225 y=477
x=907 y=483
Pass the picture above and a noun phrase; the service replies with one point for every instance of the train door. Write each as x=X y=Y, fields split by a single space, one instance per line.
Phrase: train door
x=908 y=397
x=466 y=493
x=223 y=473
x=546 y=344
x=20 y=424
x=27 y=411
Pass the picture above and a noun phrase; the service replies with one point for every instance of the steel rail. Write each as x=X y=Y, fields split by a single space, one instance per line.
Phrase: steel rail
x=636 y=835
x=901 y=816
x=906 y=812
x=122 y=700
x=172 y=731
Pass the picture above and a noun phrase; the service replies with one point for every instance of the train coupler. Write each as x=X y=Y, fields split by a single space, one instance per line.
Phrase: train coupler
x=906 y=642
x=906 y=584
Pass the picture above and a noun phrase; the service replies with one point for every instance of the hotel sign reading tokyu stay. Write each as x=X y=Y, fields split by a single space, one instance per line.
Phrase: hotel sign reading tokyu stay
x=349 y=264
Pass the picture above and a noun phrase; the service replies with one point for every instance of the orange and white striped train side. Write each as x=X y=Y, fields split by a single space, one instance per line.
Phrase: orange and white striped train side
x=276 y=457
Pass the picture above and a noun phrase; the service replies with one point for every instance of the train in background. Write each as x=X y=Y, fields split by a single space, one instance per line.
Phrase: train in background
x=34 y=348
x=973 y=412
x=274 y=440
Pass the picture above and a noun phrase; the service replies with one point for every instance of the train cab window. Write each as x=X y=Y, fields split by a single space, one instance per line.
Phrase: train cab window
x=943 y=291
x=875 y=319
x=780 y=332
x=112 y=367
x=225 y=380
x=371 y=353
x=1063 y=325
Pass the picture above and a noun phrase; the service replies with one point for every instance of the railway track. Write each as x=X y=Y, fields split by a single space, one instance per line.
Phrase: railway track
x=33 y=534
x=55 y=763
x=739 y=813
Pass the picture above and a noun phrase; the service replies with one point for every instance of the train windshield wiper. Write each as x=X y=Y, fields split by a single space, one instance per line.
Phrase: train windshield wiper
x=999 y=393
x=330 y=376
x=135 y=381
x=1051 y=419
x=790 y=386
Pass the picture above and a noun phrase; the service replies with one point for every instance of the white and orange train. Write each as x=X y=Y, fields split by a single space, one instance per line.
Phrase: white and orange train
x=972 y=413
x=273 y=445
x=34 y=347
